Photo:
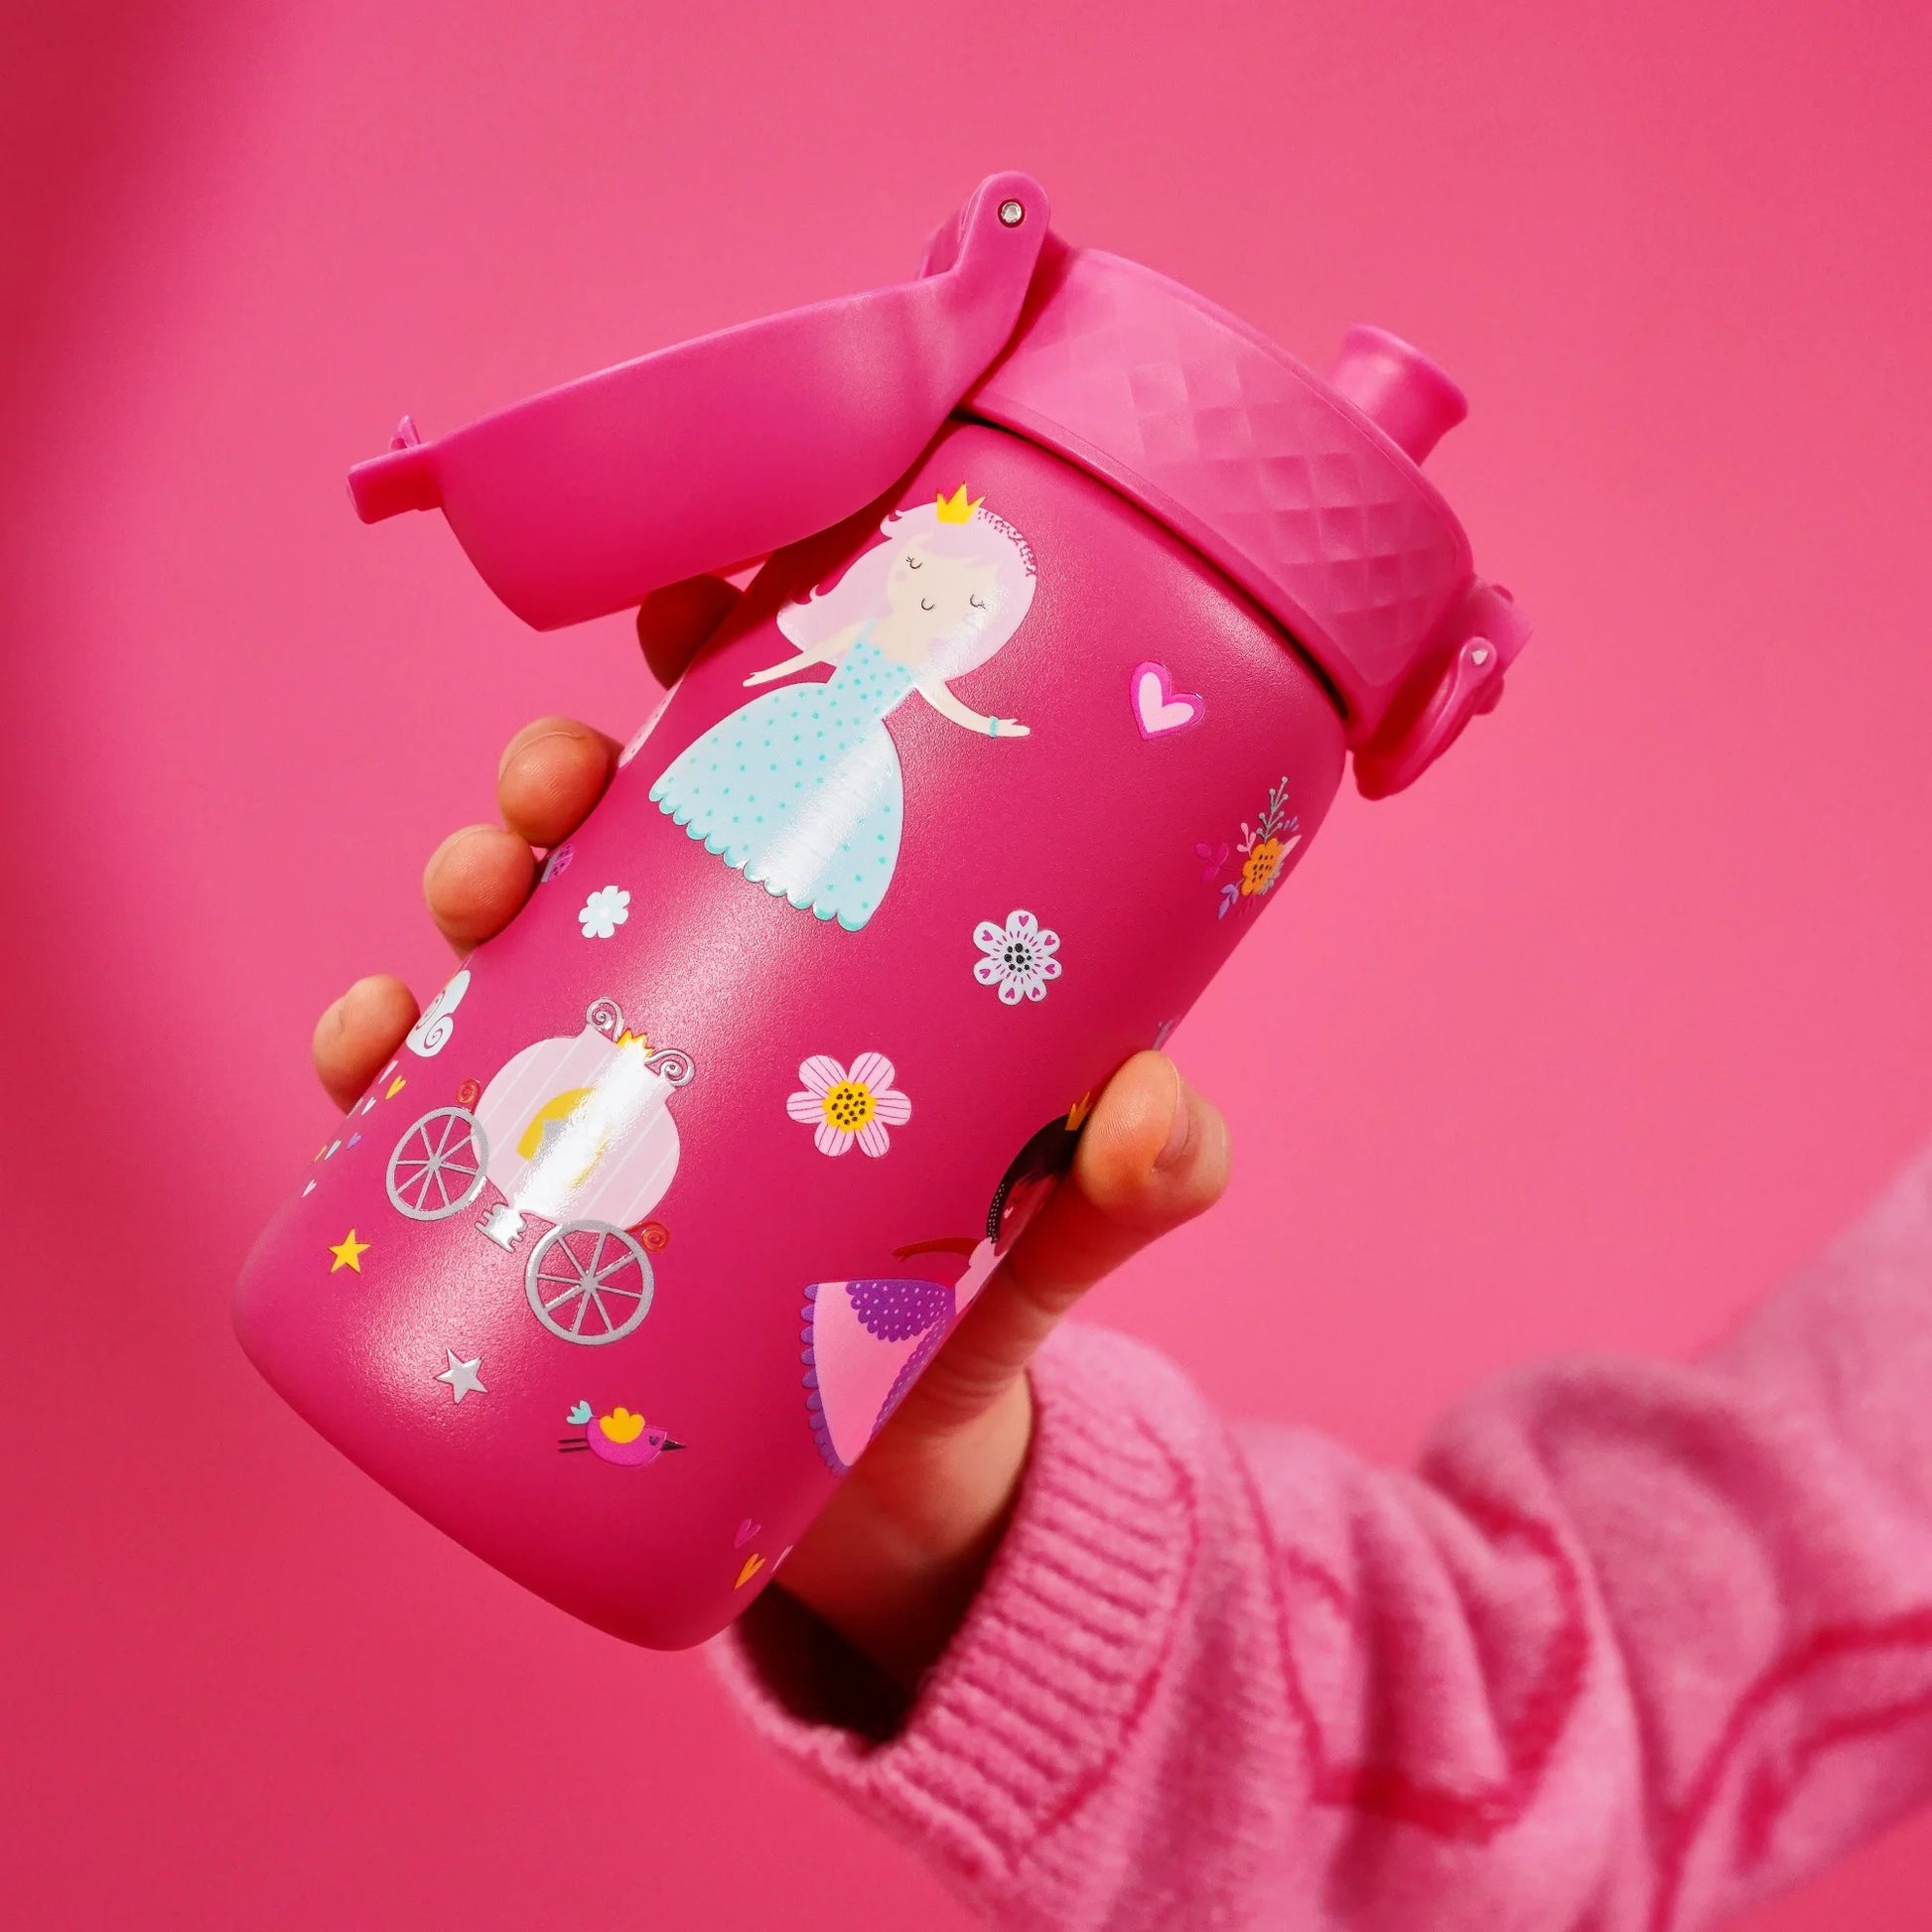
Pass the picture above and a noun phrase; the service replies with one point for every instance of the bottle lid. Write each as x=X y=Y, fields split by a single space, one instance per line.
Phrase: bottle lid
x=1307 y=493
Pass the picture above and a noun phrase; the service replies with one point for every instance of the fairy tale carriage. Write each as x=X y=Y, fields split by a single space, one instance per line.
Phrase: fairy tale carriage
x=574 y=1132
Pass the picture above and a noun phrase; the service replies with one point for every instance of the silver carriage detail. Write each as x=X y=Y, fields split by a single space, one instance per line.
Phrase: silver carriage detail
x=573 y=1131
x=439 y=1166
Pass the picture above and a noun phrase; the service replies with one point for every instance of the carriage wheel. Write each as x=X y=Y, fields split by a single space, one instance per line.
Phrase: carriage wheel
x=589 y=1282
x=438 y=1167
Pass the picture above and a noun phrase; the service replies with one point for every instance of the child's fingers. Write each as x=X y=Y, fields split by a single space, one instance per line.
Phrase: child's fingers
x=896 y=1555
x=674 y=622
x=475 y=882
x=1154 y=1154
x=551 y=773
x=359 y=1033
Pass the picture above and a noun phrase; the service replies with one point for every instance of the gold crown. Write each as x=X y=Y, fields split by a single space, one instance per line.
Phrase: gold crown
x=1078 y=1113
x=956 y=509
x=628 y=1038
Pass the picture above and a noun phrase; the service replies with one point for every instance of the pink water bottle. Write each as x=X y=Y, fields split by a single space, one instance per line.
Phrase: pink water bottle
x=1077 y=595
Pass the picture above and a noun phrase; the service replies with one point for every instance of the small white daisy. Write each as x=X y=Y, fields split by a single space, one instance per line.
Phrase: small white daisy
x=604 y=912
x=846 y=1106
x=1019 y=957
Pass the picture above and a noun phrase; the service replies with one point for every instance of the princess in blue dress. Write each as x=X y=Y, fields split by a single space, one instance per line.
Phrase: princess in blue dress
x=800 y=789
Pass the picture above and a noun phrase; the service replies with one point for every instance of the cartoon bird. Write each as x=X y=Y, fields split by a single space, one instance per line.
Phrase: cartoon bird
x=621 y=1436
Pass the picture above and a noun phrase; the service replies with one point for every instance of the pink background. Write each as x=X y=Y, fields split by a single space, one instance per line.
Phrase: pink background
x=1612 y=1019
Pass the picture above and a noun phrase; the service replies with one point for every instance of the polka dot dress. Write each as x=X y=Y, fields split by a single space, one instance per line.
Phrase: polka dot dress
x=897 y=1310
x=800 y=788
x=865 y=1344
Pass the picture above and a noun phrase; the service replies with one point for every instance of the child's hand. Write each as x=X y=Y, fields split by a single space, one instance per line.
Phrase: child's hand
x=893 y=1560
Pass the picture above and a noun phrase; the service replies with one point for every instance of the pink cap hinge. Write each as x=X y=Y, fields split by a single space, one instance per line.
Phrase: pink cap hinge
x=1482 y=637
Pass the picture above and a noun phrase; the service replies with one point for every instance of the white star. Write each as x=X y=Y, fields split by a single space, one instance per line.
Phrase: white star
x=461 y=1376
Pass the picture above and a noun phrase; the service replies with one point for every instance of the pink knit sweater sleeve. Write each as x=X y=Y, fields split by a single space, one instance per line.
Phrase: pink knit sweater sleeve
x=1634 y=1645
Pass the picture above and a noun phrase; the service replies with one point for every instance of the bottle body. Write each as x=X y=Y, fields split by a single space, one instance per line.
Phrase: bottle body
x=684 y=1178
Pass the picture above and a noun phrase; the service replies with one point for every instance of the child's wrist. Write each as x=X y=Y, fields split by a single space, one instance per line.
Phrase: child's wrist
x=895 y=1561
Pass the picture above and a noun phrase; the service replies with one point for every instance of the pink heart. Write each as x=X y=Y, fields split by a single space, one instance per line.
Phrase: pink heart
x=1158 y=707
x=746 y=1531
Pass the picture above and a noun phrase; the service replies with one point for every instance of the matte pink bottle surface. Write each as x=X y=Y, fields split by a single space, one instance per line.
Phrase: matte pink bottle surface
x=1081 y=595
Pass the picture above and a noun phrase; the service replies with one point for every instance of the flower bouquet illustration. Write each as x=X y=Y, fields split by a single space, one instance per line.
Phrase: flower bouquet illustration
x=1258 y=858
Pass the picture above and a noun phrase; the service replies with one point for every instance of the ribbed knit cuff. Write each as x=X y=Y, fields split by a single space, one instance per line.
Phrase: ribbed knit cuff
x=1049 y=1678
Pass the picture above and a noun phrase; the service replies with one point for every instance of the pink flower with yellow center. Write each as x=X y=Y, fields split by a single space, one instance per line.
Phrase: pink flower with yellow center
x=845 y=1106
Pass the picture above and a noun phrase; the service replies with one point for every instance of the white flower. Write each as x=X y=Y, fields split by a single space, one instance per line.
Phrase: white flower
x=844 y=1107
x=604 y=912
x=1019 y=957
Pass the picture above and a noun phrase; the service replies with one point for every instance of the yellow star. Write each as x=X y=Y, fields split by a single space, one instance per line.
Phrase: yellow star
x=349 y=1253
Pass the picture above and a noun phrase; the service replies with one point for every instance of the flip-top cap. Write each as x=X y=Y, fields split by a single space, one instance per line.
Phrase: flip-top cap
x=1307 y=493
x=584 y=499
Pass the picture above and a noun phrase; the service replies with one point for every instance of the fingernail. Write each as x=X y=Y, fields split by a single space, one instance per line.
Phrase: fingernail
x=1182 y=1131
x=441 y=856
x=513 y=752
x=446 y=846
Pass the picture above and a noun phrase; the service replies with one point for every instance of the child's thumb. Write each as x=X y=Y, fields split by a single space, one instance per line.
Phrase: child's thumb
x=1154 y=1155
